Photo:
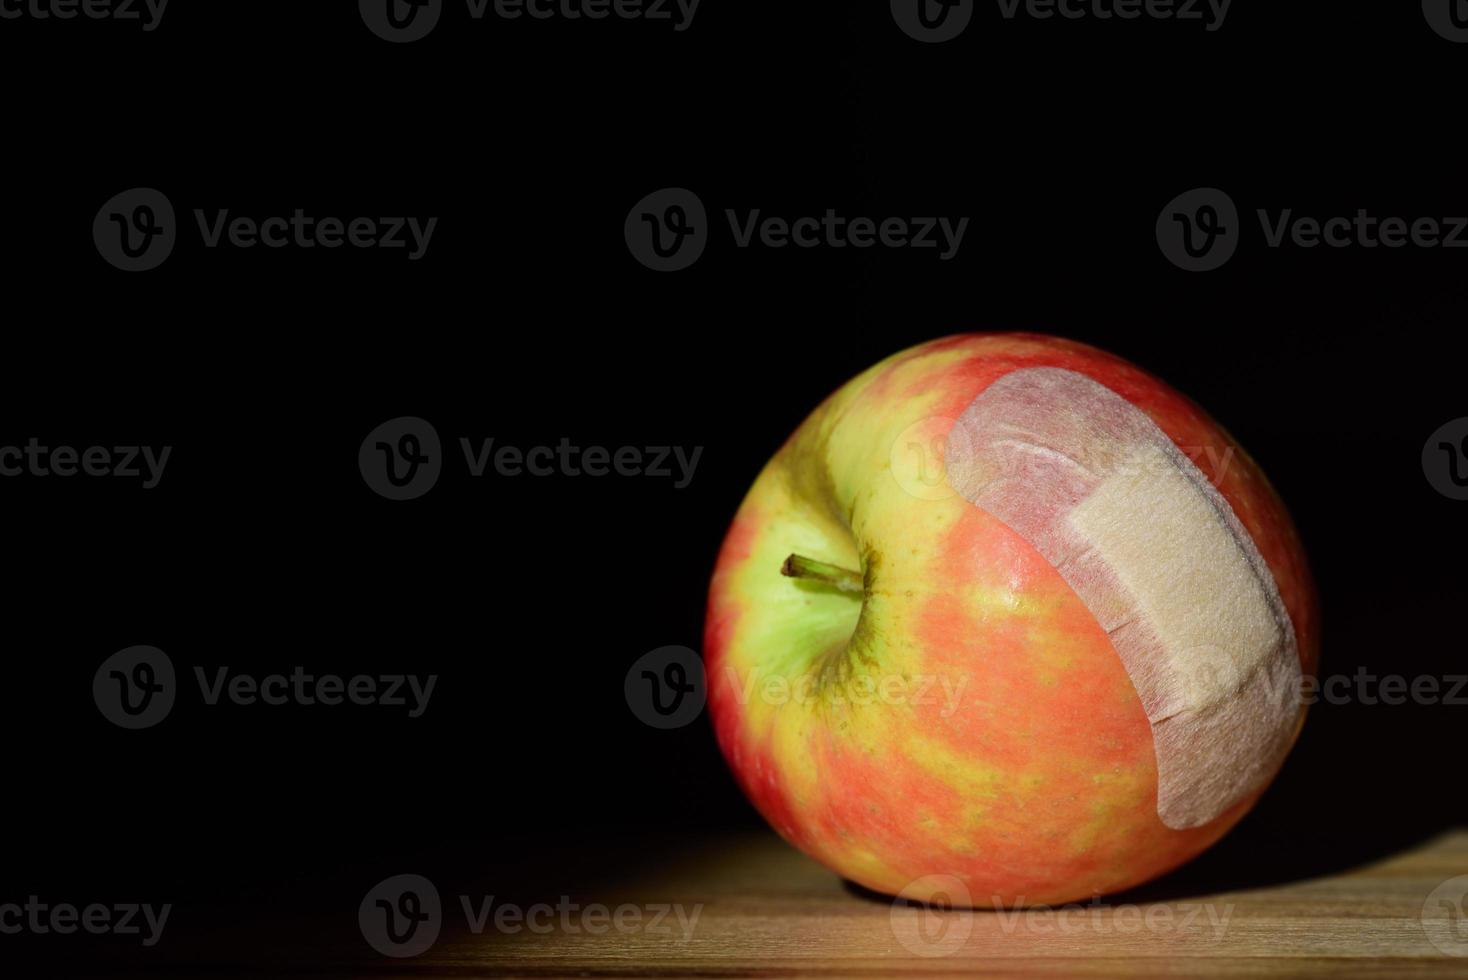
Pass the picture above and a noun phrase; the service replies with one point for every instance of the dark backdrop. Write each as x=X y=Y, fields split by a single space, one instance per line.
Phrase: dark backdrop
x=529 y=320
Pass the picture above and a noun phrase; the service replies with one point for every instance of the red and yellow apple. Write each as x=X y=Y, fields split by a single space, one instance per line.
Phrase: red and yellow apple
x=1007 y=610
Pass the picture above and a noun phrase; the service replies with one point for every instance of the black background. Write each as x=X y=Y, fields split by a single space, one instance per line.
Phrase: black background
x=528 y=320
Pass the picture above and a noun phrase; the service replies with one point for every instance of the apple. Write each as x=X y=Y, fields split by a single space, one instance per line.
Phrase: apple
x=1008 y=621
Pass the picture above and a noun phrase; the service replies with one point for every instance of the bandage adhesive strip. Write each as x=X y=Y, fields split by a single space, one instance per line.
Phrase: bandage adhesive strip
x=1159 y=558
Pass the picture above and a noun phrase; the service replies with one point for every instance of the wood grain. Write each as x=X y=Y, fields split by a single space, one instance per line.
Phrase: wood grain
x=765 y=910
x=751 y=906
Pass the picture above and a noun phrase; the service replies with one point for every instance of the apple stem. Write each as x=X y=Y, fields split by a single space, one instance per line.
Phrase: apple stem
x=799 y=566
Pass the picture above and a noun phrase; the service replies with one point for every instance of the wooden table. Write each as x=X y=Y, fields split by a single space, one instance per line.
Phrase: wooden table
x=767 y=911
x=753 y=907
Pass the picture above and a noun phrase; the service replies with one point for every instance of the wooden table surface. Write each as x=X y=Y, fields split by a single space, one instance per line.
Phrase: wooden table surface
x=748 y=905
x=765 y=910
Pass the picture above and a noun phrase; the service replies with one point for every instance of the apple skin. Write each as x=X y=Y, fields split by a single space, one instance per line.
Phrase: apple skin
x=1041 y=787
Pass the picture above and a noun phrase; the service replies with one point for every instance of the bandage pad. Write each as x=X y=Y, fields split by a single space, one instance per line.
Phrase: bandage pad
x=1160 y=559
